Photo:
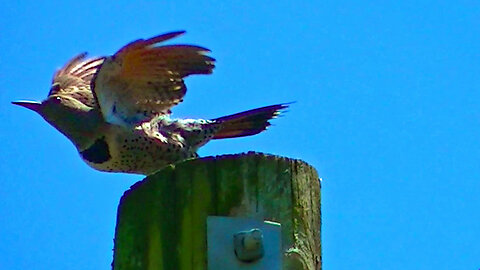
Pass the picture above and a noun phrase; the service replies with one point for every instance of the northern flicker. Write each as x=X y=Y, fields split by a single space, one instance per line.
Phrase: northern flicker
x=116 y=109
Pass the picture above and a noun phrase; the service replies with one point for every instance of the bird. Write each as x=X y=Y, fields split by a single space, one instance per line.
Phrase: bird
x=116 y=110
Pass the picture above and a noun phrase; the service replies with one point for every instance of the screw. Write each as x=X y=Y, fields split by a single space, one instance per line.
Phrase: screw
x=248 y=245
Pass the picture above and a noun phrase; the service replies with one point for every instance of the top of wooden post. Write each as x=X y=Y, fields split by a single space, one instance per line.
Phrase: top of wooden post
x=162 y=219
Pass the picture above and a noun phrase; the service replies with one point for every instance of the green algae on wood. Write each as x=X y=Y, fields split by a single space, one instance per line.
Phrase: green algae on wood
x=161 y=222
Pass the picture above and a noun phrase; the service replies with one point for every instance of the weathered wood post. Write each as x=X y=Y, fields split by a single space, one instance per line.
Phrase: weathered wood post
x=162 y=220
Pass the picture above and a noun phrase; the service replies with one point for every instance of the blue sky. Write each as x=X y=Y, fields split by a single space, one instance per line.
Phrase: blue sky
x=387 y=111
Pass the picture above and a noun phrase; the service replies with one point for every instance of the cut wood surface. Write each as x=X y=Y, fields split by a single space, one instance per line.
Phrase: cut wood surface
x=161 y=222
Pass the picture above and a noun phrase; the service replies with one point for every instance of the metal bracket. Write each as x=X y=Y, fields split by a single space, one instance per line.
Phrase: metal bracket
x=242 y=243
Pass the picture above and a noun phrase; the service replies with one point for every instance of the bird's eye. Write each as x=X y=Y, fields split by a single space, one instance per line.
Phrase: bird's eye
x=56 y=100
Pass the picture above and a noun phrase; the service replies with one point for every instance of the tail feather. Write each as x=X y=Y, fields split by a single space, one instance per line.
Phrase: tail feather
x=247 y=123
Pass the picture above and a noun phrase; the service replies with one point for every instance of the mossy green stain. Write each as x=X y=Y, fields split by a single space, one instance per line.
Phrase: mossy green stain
x=155 y=255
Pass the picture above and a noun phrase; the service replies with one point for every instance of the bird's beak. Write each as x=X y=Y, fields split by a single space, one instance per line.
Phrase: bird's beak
x=31 y=105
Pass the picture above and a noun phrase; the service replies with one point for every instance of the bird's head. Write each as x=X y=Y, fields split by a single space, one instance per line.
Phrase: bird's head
x=68 y=115
x=70 y=106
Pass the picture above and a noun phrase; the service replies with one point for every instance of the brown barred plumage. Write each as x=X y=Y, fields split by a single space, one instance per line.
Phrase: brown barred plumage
x=116 y=109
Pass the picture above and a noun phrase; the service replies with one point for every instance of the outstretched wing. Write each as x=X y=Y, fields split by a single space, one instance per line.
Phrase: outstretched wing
x=74 y=79
x=143 y=79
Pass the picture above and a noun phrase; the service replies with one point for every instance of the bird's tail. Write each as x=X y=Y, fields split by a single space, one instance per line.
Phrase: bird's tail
x=247 y=123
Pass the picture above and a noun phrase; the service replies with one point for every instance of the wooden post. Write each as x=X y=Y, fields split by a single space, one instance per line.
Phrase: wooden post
x=161 y=222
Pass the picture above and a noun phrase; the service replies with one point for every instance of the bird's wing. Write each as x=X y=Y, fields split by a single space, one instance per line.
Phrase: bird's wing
x=74 y=78
x=143 y=78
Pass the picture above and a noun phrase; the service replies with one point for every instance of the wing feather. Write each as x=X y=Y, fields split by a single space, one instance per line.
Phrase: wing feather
x=143 y=78
x=74 y=79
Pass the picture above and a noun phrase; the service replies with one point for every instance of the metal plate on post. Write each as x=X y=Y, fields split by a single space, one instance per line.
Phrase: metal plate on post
x=220 y=242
